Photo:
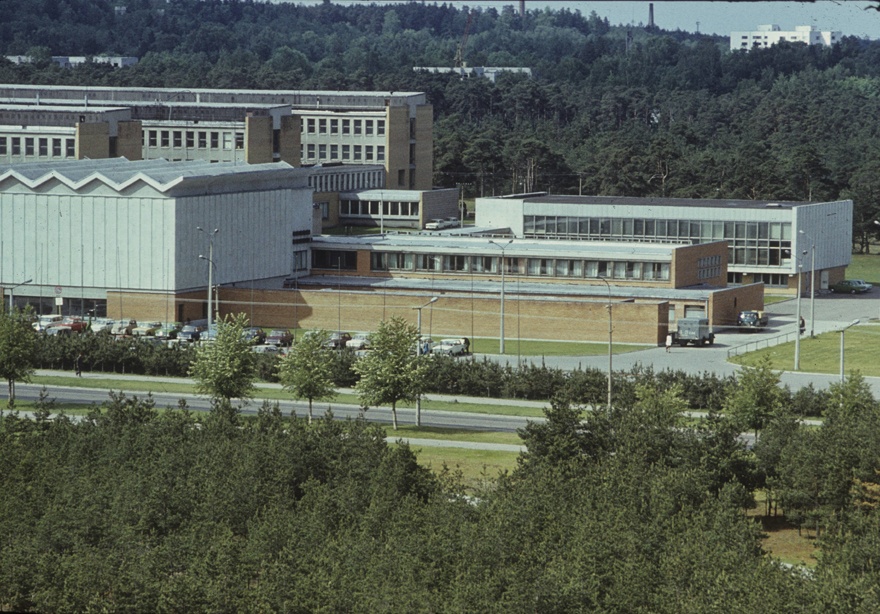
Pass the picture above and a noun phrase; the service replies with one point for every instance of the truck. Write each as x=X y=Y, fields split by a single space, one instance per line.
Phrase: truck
x=751 y=320
x=697 y=331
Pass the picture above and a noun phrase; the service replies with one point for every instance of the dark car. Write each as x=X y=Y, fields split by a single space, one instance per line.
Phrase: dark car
x=851 y=286
x=337 y=341
x=752 y=319
x=254 y=335
x=190 y=333
x=280 y=337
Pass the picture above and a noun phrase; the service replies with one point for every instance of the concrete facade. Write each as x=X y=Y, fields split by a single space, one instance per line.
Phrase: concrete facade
x=771 y=34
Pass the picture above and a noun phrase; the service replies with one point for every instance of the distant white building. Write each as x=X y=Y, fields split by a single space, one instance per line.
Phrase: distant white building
x=768 y=35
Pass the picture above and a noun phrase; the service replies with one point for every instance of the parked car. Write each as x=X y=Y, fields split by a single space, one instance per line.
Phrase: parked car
x=208 y=336
x=74 y=323
x=102 y=325
x=190 y=333
x=851 y=286
x=45 y=321
x=752 y=319
x=453 y=222
x=450 y=347
x=265 y=349
x=124 y=327
x=360 y=341
x=59 y=330
x=168 y=331
x=146 y=329
x=279 y=337
x=337 y=341
x=254 y=335
x=437 y=224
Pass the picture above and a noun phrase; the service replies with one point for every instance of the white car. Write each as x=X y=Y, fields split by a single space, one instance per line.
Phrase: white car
x=453 y=222
x=437 y=224
x=360 y=341
x=450 y=347
x=46 y=321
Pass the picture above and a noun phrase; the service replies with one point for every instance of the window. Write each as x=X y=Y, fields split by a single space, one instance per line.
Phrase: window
x=239 y=141
x=56 y=148
x=177 y=138
x=164 y=138
x=357 y=127
x=2 y=145
x=380 y=153
x=380 y=127
x=311 y=155
x=44 y=147
x=215 y=140
x=334 y=152
x=310 y=123
x=357 y=153
x=301 y=260
x=153 y=138
x=368 y=149
x=368 y=127
x=346 y=152
x=29 y=146
x=190 y=138
x=70 y=148
x=334 y=126
x=203 y=139
x=322 y=126
x=325 y=209
x=322 y=152
x=227 y=140
x=346 y=126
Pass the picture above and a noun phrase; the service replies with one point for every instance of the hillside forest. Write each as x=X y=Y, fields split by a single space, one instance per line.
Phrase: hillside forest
x=609 y=110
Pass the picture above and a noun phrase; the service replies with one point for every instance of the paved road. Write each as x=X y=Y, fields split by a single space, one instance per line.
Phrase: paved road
x=832 y=313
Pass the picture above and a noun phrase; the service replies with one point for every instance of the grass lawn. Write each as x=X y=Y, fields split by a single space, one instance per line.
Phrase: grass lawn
x=781 y=538
x=822 y=353
x=865 y=266
x=476 y=466
x=414 y=432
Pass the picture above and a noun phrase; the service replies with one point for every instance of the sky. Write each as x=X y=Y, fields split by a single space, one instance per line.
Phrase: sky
x=714 y=17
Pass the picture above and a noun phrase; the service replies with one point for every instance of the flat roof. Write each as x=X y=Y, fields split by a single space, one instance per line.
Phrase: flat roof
x=528 y=290
x=662 y=202
x=434 y=242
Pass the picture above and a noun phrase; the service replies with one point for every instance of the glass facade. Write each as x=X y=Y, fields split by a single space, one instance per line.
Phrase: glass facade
x=749 y=243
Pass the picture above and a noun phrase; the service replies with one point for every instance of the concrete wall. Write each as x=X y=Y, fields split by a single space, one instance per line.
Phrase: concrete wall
x=725 y=305
x=129 y=140
x=685 y=267
x=290 y=139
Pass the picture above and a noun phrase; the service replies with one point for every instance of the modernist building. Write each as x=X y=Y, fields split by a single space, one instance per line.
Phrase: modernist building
x=392 y=129
x=768 y=35
x=768 y=242
x=122 y=238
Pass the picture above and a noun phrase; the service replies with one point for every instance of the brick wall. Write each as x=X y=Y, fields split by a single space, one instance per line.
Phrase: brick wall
x=258 y=140
x=92 y=140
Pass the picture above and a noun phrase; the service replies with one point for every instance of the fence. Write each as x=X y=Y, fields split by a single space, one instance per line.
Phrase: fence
x=767 y=342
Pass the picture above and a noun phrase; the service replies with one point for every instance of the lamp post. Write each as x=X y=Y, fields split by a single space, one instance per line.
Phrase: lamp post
x=843 y=330
x=419 y=353
x=610 y=332
x=502 y=247
x=797 y=339
x=12 y=293
x=812 y=284
x=210 y=260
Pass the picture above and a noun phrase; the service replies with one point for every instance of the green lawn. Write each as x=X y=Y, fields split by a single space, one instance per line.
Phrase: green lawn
x=822 y=353
x=865 y=266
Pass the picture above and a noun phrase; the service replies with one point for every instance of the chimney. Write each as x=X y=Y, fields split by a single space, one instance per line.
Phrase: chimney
x=651 y=15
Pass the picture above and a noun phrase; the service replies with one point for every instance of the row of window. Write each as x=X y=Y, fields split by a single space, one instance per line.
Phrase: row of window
x=750 y=243
x=345 y=127
x=201 y=139
x=349 y=153
x=376 y=208
x=708 y=267
x=38 y=146
x=348 y=181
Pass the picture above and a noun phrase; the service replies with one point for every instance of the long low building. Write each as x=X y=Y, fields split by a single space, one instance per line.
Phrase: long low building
x=768 y=241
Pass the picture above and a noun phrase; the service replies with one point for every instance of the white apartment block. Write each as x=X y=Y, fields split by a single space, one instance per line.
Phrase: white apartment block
x=768 y=35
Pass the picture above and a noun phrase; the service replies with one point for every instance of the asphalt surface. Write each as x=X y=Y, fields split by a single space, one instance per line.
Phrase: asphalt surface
x=833 y=312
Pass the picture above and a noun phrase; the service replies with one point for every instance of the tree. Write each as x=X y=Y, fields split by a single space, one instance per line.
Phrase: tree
x=17 y=345
x=226 y=368
x=392 y=372
x=307 y=371
x=756 y=397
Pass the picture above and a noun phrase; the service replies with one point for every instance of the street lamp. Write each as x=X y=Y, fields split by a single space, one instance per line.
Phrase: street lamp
x=843 y=330
x=419 y=353
x=502 y=247
x=610 y=330
x=210 y=259
x=797 y=339
x=12 y=292
x=812 y=284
